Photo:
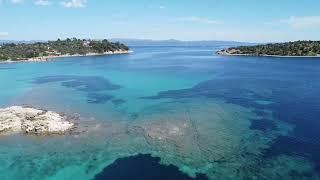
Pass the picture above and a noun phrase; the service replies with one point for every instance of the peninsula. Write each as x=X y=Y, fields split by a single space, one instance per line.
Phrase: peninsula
x=42 y=51
x=288 y=49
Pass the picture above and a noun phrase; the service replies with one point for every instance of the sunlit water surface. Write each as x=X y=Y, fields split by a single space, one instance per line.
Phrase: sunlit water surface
x=221 y=117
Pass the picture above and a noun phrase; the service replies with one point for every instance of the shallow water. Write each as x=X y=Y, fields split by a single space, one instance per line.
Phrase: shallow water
x=225 y=117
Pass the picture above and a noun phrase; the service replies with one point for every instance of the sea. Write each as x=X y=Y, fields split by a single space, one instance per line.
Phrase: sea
x=167 y=112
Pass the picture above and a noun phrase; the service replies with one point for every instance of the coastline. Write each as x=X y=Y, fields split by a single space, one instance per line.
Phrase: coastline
x=49 y=58
x=221 y=53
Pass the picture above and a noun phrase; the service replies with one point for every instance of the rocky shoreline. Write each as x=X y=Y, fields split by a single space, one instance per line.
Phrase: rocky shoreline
x=31 y=121
x=226 y=53
x=235 y=52
x=48 y=58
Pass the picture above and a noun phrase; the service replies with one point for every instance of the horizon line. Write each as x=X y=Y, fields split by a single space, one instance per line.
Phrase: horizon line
x=147 y=39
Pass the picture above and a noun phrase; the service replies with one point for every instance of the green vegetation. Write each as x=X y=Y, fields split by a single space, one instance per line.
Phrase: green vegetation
x=72 y=46
x=298 y=48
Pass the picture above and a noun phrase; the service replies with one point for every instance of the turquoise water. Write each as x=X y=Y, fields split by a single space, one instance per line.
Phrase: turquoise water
x=226 y=117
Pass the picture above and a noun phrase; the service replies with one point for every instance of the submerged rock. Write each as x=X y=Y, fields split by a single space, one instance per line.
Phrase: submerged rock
x=17 y=119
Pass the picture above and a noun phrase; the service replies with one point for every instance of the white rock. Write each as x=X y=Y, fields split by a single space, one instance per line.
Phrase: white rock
x=17 y=119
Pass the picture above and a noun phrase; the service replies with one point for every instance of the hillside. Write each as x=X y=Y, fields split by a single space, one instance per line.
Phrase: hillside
x=23 y=51
x=297 y=48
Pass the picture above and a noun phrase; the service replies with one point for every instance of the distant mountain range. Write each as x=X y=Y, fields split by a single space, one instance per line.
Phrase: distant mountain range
x=149 y=42
x=174 y=42
x=18 y=42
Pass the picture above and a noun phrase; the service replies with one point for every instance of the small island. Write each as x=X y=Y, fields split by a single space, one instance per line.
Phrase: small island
x=27 y=120
x=288 y=49
x=42 y=51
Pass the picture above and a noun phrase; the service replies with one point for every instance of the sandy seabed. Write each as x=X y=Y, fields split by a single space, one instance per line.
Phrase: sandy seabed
x=210 y=137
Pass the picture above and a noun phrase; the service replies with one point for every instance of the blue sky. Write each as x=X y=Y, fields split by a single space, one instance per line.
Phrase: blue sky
x=240 y=20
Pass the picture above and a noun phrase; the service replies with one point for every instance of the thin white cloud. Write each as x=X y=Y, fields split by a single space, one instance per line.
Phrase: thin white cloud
x=42 y=3
x=74 y=3
x=194 y=19
x=156 y=6
x=17 y=1
x=3 y=34
x=302 y=22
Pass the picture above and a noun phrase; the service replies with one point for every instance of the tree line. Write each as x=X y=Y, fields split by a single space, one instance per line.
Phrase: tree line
x=69 y=46
x=297 y=48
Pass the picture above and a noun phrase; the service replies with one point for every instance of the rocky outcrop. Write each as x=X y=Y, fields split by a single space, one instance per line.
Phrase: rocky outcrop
x=17 y=119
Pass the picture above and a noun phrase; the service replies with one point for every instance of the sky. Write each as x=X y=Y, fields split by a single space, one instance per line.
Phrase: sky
x=235 y=20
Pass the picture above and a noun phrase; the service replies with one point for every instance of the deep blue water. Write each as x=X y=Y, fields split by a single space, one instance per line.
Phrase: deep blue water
x=292 y=85
x=226 y=117
x=143 y=167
